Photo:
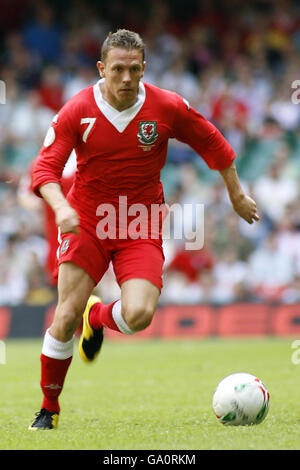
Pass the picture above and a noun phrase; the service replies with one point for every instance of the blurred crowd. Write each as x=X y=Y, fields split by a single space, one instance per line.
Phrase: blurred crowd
x=237 y=63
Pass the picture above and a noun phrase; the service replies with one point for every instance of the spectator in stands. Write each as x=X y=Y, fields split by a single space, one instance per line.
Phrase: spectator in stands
x=282 y=109
x=42 y=35
x=271 y=270
x=85 y=76
x=177 y=78
x=217 y=205
x=274 y=191
x=292 y=293
x=25 y=129
x=207 y=284
x=231 y=115
x=229 y=272
x=13 y=284
x=191 y=262
x=25 y=64
x=229 y=237
x=178 y=289
x=51 y=88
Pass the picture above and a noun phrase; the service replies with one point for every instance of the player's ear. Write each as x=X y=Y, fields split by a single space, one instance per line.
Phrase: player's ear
x=101 y=68
x=143 y=69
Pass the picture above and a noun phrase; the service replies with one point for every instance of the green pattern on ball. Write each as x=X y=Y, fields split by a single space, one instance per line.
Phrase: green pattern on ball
x=240 y=387
x=229 y=417
x=261 y=414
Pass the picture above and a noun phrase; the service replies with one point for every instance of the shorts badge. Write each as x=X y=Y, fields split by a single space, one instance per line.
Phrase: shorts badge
x=65 y=246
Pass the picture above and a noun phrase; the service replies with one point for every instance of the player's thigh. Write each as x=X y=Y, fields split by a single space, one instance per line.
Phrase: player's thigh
x=138 y=268
x=139 y=259
x=139 y=296
x=139 y=299
x=86 y=252
x=74 y=286
x=82 y=263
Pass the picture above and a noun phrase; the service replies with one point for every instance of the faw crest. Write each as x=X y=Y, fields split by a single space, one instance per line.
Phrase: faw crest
x=147 y=132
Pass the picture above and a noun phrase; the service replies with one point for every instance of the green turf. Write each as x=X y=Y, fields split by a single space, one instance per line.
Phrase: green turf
x=151 y=395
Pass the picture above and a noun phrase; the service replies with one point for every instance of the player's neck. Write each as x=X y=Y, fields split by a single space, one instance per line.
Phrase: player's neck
x=113 y=101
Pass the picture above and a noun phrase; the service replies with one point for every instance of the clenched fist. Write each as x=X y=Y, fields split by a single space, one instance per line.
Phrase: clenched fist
x=67 y=219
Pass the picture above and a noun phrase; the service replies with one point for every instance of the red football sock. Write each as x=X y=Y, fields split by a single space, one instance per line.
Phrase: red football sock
x=52 y=379
x=101 y=315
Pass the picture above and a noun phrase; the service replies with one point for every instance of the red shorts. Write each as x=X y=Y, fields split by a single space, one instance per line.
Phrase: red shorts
x=142 y=258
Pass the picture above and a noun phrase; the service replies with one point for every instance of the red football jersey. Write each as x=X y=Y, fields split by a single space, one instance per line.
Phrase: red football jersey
x=122 y=153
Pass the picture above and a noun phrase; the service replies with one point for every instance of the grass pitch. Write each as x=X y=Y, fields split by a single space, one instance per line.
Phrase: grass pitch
x=151 y=395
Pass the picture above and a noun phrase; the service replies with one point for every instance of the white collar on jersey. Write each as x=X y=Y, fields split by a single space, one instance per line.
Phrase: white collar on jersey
x=119 y=119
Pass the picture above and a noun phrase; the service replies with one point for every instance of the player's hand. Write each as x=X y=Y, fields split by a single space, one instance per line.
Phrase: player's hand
x=245 y=207
x=67 y=219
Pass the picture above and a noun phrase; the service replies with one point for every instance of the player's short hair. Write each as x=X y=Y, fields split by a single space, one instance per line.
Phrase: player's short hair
x=122 y=38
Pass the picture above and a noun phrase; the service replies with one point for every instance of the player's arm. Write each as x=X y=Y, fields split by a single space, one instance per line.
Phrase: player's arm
x=65 y=216
x=243 y=205
x=193 y=129
x=48 y=167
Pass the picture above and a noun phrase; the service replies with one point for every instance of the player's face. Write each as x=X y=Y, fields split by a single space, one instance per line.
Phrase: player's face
x=122 y=71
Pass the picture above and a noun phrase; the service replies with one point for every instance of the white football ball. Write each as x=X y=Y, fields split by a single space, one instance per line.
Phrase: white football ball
x=241 y=399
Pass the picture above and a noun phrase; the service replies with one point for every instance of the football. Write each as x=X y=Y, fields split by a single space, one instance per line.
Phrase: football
x=241 y=399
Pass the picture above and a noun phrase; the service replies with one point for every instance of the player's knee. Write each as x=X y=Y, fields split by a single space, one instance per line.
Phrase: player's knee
x=67 y=318
x=138 y=319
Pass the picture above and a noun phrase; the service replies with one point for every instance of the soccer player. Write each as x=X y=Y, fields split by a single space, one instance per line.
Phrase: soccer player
x=119 y=129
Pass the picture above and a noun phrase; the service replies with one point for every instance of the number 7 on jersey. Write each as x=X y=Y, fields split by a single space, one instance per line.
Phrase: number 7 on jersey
x=90 y=122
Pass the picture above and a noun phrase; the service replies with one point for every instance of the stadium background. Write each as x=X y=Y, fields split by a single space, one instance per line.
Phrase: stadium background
x=235 y=62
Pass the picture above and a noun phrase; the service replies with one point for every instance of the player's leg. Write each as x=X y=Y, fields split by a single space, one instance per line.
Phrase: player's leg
x=127 y=315
x=135 y=312
x=81 y=266
x=138 y=268
x=74 y=288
